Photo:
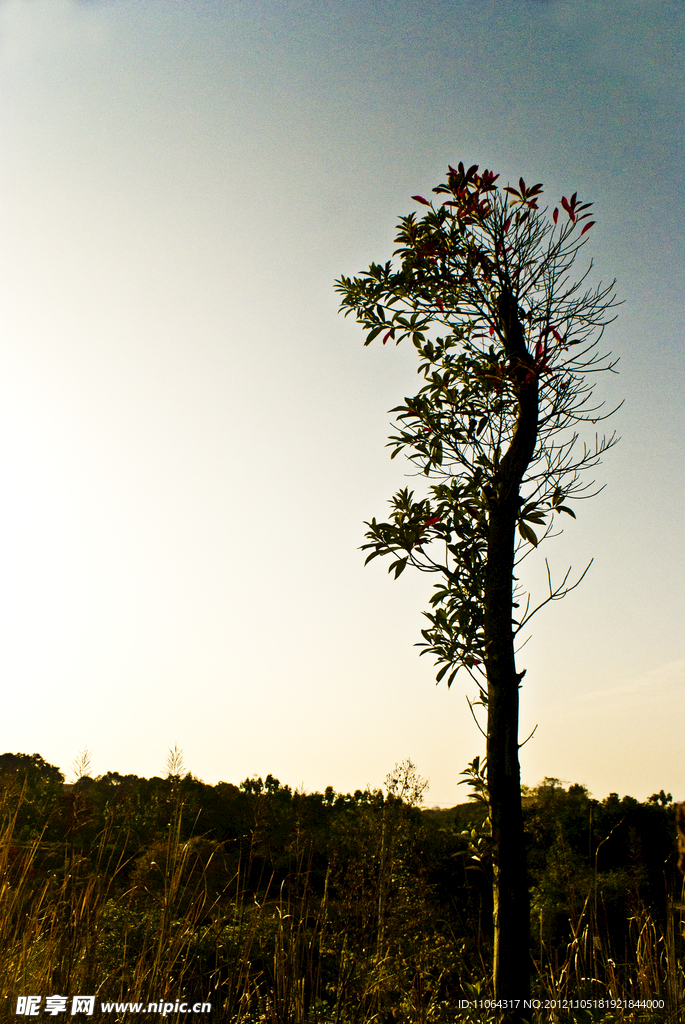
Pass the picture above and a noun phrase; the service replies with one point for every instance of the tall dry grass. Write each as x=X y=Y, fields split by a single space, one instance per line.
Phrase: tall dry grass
x=181 y=922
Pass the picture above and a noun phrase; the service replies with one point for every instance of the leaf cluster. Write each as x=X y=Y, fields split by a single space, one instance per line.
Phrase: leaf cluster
x=481 y=286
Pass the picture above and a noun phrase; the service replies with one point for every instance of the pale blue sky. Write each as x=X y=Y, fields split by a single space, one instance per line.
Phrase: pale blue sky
x=191 y=438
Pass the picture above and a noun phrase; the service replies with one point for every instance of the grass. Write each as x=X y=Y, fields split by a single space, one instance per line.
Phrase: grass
x=184 y=919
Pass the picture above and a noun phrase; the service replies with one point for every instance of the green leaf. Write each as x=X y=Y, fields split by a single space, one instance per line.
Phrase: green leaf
x=568 y=511
x=372 y=334
x=535 y=517
x=528 y=534
x=399 y=566
x=442 y=672
x=373 y=554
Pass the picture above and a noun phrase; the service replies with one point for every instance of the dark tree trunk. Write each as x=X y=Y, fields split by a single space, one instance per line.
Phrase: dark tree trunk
x=511 y=971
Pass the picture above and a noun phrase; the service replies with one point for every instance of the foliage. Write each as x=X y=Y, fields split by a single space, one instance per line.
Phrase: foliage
x=310 y=908
x=482 y=290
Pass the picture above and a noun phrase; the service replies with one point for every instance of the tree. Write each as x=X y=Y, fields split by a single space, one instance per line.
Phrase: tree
x=508 y=345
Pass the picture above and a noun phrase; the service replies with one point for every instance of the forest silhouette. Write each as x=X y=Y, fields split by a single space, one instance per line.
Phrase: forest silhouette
x=284 y=906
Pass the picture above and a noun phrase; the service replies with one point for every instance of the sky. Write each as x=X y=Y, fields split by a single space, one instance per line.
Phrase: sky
x=191 y=437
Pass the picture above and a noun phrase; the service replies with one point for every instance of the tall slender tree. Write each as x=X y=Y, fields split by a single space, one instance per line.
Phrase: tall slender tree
x=507 y=341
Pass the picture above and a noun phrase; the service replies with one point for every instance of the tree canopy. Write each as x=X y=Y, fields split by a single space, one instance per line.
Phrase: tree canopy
x=508 y=346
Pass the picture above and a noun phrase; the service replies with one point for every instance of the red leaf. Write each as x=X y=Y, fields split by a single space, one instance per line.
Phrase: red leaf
x=492 y=329
x=555 y=215
x=588 y=226
x=420 y=199
x=390 y=334
x=432 y=522
x=488 y=180
x=441 y=305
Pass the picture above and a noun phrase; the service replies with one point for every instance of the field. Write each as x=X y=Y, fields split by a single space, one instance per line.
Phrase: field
x=308 y=908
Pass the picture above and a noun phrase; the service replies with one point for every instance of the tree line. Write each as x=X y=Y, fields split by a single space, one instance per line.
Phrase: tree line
x=321 y=906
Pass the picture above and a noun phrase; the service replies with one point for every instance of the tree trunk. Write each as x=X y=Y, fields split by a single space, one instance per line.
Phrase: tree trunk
x=511 y=969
